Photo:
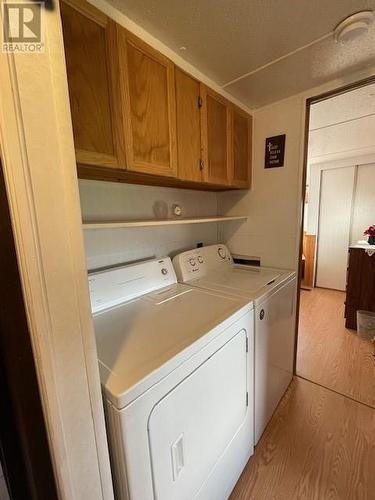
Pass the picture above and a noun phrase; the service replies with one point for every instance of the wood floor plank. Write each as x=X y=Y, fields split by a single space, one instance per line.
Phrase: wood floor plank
x=328 y=353
x=319 y=445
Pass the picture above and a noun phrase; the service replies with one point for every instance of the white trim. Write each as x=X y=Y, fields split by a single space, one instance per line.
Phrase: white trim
x=40 y=176
x=278 y=59
x=350 y=157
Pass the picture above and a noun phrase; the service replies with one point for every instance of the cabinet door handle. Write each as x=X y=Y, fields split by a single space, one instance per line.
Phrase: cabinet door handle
x=262 y=314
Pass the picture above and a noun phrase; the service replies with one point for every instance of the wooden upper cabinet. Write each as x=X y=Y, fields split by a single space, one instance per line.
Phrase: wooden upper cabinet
x=241 y=148
x=133 y=110
x=148 y=106
x=87 y=61
x=188 y=127
x=216 y=131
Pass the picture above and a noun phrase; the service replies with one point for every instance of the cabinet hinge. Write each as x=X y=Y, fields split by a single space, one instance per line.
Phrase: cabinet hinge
x=200 y=102
x=247 y=399
x=201 y=164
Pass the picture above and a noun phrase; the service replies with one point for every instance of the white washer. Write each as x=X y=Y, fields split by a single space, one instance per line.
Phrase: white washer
x=176 y=366
x=273 y=292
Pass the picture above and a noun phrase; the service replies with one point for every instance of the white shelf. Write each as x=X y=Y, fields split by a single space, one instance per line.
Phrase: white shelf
x=160 y=222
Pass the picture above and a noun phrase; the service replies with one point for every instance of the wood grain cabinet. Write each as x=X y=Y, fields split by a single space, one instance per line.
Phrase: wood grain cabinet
x=148 y=105
x=188 y=103
x=241 y=137
x=150 y=122
x=87 y=62
x=216 y=137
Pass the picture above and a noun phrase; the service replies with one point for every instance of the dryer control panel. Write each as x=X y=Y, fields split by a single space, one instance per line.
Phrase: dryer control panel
x=119 y=284
x=200 y=261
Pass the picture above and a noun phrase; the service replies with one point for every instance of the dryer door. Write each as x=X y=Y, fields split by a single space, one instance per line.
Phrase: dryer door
x=190 y=428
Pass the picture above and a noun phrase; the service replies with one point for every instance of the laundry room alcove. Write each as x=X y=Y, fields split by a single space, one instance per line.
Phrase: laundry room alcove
x=126 y=222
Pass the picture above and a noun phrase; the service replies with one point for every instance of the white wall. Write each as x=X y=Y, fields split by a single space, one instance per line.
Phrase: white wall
x=117 y=201
x=341 y=135
x=272 y=204
x=343 y=125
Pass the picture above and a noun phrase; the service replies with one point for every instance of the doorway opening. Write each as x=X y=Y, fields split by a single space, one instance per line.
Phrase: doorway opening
x=337 y=261
x=26 y=470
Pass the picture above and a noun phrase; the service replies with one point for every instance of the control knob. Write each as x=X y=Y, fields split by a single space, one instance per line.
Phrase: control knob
x=222 y=253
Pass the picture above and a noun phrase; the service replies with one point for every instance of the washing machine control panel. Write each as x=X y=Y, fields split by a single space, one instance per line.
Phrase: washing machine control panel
x=200 y=261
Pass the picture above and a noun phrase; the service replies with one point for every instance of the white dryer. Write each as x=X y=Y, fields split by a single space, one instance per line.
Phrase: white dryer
x=176 y=367
x=273 y=293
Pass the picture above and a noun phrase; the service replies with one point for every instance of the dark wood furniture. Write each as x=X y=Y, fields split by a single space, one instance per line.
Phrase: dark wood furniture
x=360 y=288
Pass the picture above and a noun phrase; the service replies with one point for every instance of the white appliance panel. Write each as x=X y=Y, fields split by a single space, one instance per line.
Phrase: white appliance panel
x=164 y=349
x=272 y=291
x=245 y=279
x=128 y=427
x=200 y=261
x=212 y=268
x=111 y=287
x=191 y=426
x=141 y=341
x=274 y=348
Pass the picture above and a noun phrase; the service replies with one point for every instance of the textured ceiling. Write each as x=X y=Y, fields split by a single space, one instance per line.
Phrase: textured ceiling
x=226 y=39
x=344 y=107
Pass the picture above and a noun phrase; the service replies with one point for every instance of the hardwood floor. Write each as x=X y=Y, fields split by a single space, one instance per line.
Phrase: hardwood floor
x=319 y=445
x=328 y=353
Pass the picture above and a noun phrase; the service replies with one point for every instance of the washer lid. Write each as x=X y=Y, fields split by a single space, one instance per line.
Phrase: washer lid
x=142 y=341
x=247 y=282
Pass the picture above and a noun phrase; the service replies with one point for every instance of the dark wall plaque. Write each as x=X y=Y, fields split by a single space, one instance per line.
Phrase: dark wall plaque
x=275 y=149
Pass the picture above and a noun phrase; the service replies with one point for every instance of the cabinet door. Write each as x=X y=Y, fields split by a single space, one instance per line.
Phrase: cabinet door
x=215 y=115
x=241 y=148
x=85 y=41
x=188 y=127
x=149 y=107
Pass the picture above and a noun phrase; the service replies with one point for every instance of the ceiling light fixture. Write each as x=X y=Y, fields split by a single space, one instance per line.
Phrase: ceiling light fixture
x=353 y=26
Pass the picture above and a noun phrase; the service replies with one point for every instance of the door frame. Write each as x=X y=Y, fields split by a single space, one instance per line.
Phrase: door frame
x=309 y=102
x=24 y=449
x=37 y=149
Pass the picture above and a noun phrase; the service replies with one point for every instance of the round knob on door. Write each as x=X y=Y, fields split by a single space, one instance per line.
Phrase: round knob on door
x=164 y=271
x=262 y=314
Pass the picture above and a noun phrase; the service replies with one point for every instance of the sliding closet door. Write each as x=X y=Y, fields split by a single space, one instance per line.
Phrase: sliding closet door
x=336 y=196
x=364 y=202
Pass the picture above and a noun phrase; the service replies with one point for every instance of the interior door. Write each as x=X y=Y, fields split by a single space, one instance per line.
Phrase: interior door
x=190 y=427
x=336 y=197
x=364 y=202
